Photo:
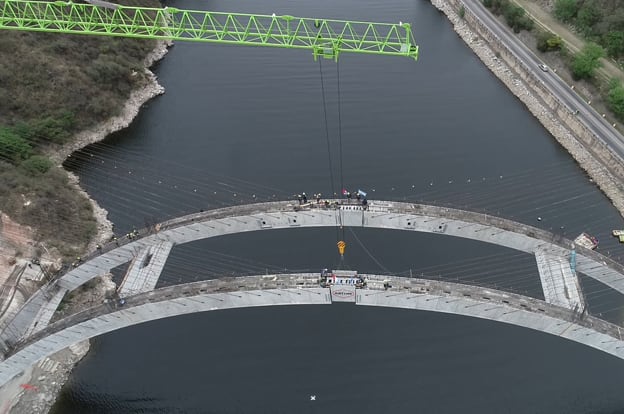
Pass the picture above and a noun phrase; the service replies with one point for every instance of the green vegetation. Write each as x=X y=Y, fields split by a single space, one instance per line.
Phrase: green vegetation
x=515 y=16
x=17 y=143
x=36 y=165
x=615 y=98
x=587 y=61
x=81 y=78
x=600 y=21
x=53 y=86
x=548 y=42
x=50 y=130
x=566 y=10
x=41 y=196
x=13 y=148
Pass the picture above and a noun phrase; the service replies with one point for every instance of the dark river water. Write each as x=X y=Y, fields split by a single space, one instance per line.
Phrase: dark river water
x=239 y=125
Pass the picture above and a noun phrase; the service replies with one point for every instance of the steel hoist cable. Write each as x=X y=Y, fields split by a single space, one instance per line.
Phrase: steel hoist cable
x=337 y=212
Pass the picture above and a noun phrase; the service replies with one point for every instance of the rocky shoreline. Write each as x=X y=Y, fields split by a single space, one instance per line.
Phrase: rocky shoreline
x=130 y=110
x=102 y=130
x=35 y=391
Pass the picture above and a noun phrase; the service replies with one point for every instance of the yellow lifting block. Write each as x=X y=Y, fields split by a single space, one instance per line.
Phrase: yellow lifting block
x=341 y=247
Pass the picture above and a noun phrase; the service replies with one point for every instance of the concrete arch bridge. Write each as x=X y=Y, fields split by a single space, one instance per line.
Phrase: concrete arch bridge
x=305 y=289
x=558 y=260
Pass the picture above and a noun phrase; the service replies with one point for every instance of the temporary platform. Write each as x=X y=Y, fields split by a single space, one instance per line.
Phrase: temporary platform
x=586 y=241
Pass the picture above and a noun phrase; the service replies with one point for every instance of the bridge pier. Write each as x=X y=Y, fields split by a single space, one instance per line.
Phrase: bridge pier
x=560 y=285
x=145 y=269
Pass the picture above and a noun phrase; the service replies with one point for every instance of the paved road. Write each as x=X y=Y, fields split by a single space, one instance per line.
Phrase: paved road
x=587 y=115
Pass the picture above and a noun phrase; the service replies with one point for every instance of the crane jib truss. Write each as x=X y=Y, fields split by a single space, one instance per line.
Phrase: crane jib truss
x=326 y=38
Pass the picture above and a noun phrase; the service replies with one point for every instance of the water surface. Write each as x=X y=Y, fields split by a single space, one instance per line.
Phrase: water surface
x=240 y=125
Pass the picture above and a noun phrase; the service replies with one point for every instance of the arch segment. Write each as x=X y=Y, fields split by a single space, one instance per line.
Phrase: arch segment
x=380 y=214
x=304 y=289
x=283 y=215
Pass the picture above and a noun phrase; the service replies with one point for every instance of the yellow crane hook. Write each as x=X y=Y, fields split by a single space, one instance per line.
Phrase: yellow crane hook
x=341 y=247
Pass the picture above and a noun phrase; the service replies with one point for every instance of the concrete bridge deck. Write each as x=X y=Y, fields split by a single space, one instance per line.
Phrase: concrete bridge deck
x=282 y=215
x=304 y=289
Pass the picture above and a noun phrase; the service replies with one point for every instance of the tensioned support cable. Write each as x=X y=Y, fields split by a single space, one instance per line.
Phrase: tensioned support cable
x=340 y=134
x=337 y=213
x=331 y=167
x=325 y=38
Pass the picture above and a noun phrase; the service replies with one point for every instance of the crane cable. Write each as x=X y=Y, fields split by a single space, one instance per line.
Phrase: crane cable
x=339 y=225
x=341 y=243
x=340 y=135
x=373 y=258
x=331 y=171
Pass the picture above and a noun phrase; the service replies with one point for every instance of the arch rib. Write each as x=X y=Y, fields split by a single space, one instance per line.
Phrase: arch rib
x=283 y=215
x=300 y=289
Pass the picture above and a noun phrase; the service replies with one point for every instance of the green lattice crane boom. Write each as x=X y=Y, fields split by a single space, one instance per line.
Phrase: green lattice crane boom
x=326 y=38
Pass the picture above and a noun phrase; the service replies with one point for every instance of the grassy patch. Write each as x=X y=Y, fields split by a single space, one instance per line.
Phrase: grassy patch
x=599 y=21
x=44 y=75
x=54 y=85
x=49 y=203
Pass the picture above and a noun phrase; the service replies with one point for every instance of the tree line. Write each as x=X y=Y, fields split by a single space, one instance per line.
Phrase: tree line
x=514 y=15
x=602 y=23
x=599 y=21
